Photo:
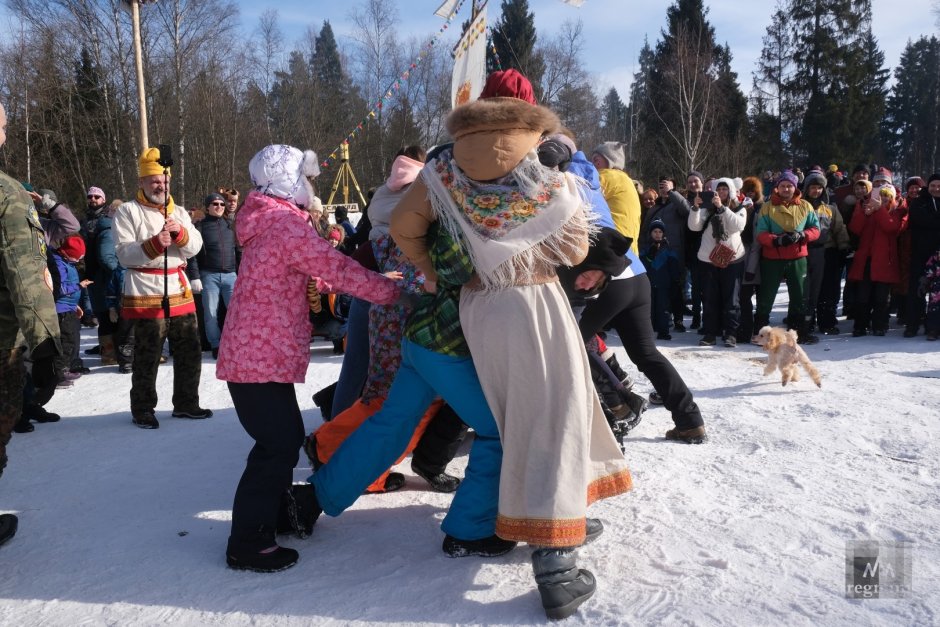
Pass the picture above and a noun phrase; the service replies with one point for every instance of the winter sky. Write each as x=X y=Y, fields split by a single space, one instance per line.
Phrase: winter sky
x=614 y=30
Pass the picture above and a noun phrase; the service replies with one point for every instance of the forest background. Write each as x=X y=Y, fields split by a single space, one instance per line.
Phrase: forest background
x=822 y=91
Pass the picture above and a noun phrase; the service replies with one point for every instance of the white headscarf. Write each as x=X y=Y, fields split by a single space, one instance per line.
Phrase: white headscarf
x=282 y=171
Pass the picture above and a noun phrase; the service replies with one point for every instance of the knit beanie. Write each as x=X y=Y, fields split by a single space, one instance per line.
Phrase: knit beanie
x=657 y=224
x=814 y=178
x=833 y=168
x=867 y=185
x=787 y=176
x=73 y=247
x=336 y=234
x=613 y=152
x=508 y=84
x=96 y=191
x=914 y=180
x=883 y=174
x=281 y=171
x=933 y=177
x=696 y=174
x=147 y=163
x=887 y=190
x=213 y=197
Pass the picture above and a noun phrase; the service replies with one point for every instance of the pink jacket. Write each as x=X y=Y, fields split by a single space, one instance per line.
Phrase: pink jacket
x=267 y=328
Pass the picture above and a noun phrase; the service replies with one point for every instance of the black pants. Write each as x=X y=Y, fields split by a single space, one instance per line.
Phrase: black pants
x=70 y=327
x=815 y=270
x=872 y=304
x=625 y=304
x=270 y=415
x=830 y=290
x=698 y=287
x=746 y=328
x=916 y=303
x=722 y=288
x=440 y=441
x=661 y=296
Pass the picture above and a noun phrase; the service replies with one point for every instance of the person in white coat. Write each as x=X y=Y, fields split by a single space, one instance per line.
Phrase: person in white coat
x=722 y=257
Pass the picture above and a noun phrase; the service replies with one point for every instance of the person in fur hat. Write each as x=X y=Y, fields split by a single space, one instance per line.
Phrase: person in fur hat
x=268 y=321
x=516 y=220
x=145 y=229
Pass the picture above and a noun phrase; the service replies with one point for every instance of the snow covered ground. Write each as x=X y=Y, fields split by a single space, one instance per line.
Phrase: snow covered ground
x=122 y=526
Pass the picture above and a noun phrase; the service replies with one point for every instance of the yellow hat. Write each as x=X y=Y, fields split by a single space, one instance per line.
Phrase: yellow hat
x=833 y=167
x=147 y=163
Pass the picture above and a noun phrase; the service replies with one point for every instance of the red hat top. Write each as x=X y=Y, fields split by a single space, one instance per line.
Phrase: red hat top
x=73 y=247
x=508 y=84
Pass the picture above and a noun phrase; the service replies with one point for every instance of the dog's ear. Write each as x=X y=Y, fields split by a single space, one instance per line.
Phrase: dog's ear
x=773 y=339
x=793 y=336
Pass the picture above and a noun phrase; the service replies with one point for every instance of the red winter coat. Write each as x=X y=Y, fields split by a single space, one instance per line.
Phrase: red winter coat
x=878 y=241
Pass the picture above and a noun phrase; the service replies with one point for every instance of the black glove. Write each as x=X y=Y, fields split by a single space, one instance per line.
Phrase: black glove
x=798 y=237
x=43 y=371
x=784 y=239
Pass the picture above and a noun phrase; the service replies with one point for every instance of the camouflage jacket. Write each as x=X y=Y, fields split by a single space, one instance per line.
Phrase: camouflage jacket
x=26 y=303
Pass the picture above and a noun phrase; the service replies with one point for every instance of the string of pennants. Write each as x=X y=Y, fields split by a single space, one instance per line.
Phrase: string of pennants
x=393 y=89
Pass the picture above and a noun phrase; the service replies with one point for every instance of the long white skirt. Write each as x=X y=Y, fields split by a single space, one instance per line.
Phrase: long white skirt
x=559 y=454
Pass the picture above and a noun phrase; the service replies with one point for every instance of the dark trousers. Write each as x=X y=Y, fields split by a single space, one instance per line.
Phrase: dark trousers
x=124 y=341
x=916 y=304
x=696 y=268
x=721 y=290
x=830 y=290
x=871 y=308
x=270 y=415
x=661 y=295
x=746 y=328
x=149 y=336
x=625 y=305
x=70 y=327
x=12 y=376
x=771 y=271
x=677 y=298
x=439 y=442
x=815 y=269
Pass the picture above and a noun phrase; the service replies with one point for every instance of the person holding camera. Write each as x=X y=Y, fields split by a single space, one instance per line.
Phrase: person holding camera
x=153 y=239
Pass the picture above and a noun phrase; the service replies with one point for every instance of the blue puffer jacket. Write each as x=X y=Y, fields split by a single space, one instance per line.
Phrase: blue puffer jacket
x=67 y=290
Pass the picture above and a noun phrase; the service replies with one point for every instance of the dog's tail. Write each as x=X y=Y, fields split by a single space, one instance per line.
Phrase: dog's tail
x=810 y=369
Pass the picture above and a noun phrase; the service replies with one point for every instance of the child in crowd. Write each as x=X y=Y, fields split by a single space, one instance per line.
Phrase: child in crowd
x=662 y=267
x=67 y=291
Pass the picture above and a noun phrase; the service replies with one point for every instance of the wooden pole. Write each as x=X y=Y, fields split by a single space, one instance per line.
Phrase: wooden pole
x=141 y=90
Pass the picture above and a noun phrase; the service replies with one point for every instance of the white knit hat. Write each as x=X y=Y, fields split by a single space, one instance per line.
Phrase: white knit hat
x=282 y=171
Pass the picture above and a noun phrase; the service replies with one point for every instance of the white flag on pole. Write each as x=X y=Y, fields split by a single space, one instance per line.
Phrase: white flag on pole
x=470 y=63
x=446 y=9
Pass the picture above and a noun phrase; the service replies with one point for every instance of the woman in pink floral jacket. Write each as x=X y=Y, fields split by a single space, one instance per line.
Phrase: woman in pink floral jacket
x=265 y=344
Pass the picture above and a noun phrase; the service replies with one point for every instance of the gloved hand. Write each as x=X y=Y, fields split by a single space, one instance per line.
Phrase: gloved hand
x=784 y=239
x=43 y=371
x=798 y=237
x=48 y=203
x=196 y=286
x=113 y=315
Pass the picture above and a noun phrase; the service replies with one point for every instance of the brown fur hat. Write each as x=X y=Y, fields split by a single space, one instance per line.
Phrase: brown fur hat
x=493 y=114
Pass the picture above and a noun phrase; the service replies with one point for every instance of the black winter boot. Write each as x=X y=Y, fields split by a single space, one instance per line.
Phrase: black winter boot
x=593 y=529
x=8 y=525
x=439 y=481
x=619 y=372
x=259 y=553
x=493 y=546
x=562 y=585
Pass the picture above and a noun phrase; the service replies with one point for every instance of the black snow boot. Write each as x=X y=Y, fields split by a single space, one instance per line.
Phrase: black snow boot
x=562 y=585
x=8 y=526
x=439 y=481
x=486 y=547
x=593 y=529
x=619 y=372
x=259 y=553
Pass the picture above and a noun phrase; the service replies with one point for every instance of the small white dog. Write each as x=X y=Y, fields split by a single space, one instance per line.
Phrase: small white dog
x=785 y=354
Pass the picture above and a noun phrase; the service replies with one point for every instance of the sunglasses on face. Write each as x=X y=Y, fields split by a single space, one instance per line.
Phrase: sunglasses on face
x=220 y=204
x=93 y=196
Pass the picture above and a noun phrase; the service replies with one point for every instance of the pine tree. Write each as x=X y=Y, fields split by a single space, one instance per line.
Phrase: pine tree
x=912 y=116
x=614 y=117
x=773 y=112
x=514 y=39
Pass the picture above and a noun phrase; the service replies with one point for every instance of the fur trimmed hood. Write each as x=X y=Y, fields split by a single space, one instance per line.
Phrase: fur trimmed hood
x=493 y=135
x=493 y=114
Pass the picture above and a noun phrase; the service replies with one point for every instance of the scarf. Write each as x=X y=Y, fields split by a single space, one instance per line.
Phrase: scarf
x=512 y=227
x=142 y=200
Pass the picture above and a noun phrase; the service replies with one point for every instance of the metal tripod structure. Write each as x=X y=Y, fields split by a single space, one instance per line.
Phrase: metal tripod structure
x=345 y=176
